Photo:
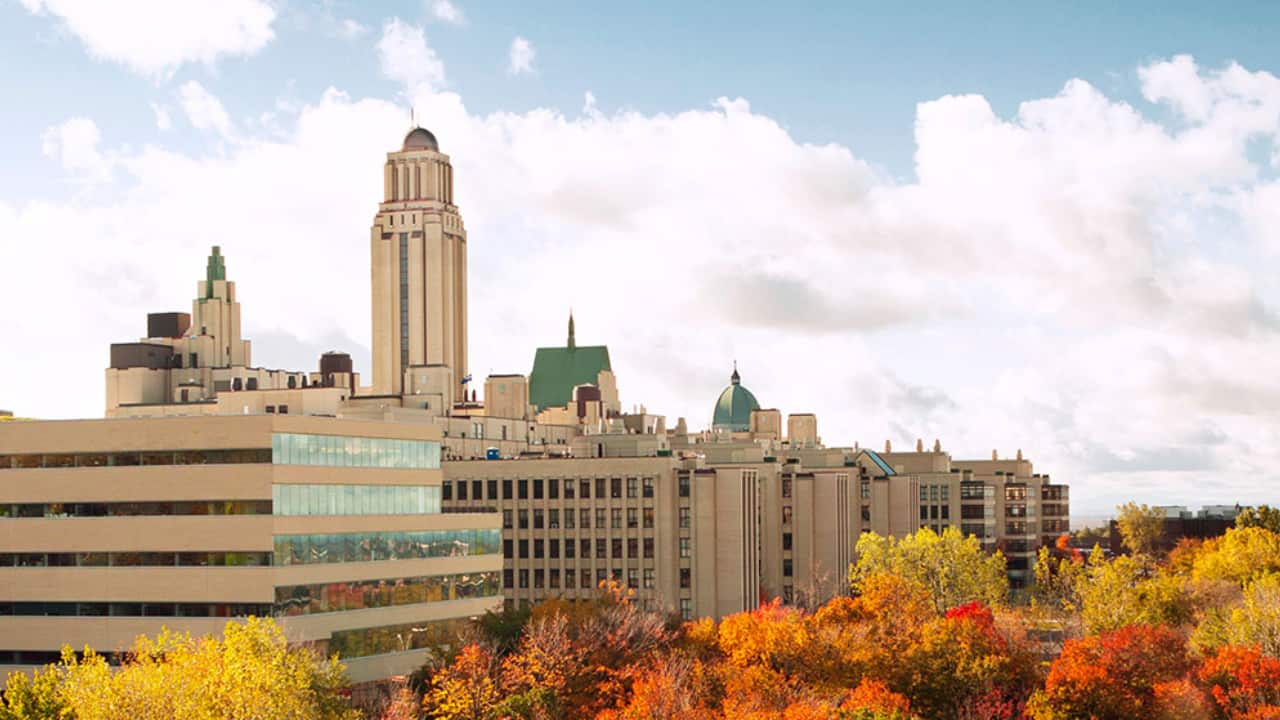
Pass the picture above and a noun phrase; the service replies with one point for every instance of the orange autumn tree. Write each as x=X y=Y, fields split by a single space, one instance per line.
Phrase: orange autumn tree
x=1244 y=683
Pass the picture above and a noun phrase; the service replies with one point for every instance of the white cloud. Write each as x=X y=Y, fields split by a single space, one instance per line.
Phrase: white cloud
x=446 y=11
x=74 y=145
x=155 y=37
x=163 y=120
x=407 y=59
x=521 y=56
x=1078 y=280
x=204 y=110
x=351 y=29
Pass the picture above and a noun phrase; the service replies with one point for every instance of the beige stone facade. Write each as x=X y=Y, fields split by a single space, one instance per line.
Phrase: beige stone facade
x=111 y=528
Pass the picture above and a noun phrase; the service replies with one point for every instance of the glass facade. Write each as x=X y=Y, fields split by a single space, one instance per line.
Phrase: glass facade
x=395 y=638
x=362 y=594
x=355 y=499
x=364 y=547
x=342 y=451
x=129 y=509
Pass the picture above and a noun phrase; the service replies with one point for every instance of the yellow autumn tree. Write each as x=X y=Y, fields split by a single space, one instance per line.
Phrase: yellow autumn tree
x=251 y=672
x=467 y=689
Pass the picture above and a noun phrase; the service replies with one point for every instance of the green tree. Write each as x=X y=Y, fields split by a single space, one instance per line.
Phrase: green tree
x=1262 y=516
x=953 y=568
x=1140 y=527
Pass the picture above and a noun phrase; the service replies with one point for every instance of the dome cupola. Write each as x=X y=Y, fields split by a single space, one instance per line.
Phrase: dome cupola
x=420 y=138
x=733 y=408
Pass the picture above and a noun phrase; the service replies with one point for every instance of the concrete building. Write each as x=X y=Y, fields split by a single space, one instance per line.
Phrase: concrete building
x=112 y=528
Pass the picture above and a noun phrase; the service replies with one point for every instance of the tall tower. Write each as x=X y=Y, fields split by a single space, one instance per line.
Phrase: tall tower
x=419 y=258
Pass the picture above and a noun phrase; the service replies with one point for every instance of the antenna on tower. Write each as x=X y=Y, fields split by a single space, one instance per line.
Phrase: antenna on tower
x=413 y=121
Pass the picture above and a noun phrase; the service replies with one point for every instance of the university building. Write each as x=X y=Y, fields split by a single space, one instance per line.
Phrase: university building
x=373 y=518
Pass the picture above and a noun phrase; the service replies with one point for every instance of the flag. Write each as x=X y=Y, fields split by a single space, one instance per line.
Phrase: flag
x=465 y=379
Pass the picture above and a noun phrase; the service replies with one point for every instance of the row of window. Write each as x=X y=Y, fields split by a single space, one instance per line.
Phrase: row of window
x=582 y=548
x=935 y=512
x=538 y=489
x=342 y=451
x=136 y=559
x=134 y=609
x=394 y=638
x=131 y=459
x=355 y=499
x=571 y=580
x=363 y=594
x=131 y=509
x=371 y=546
x=636 y=517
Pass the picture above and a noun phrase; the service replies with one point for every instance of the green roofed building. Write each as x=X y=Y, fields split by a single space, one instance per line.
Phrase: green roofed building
x=733 y=408
x=558 y=370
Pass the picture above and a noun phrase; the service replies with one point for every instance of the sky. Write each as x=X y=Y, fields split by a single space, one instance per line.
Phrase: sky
x=1052 y=229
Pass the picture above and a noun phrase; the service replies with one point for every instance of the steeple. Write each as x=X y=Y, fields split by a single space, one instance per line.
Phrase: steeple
x=215 y=269
x=735 y=378
x=573 y=343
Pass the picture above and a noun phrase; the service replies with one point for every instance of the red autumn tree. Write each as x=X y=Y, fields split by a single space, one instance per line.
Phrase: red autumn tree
x=1244 y=683
x=1112 y=676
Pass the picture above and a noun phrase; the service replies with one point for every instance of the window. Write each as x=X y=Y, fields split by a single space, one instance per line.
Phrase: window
x=633 y=518
x=786 y=487
x=648 y=548
x=601 y=576
x=600 y=548
x=493 y=489
x=648 y=578
x=568 y=489
x=633 y=578
x=508 y=578
x=585 y=546
x=599 y=487
x=553 y=548
x=786 y=514
x=586 y=578
x=615 y=488
x=446 y=489
x=524 y=549
x=866 y=513
x=537 y=489
x=570 y=518
x=633 y=487
x=585 y=514
x=600 y=519
x=684 y=517
x=633 y=548
x=475 y=489
x=584 y=489
x=615 y=515
x=683 y=490
x=615 y=548
x=554 y=579
x=570 y=579
x=648 y=487
x=538 y=549
x=462 y=489
x=284 y=409
x=522 y=489
x=686 y=578
x=786 y=541
x=570 y=549
x=506 y=489
x=788 y=594
x=553 y=518
x=507 y=551
x=537 y=519
x=686 y=609
x=684 y=547
x=924 y=512
x=524 y=519
x=553 y=489
x=946 y=512
x=866 y=490
x=648 y=518
x=524 y=578
x=787 y=568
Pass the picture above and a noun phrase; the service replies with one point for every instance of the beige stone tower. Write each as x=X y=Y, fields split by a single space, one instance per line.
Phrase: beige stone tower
x=418 y=247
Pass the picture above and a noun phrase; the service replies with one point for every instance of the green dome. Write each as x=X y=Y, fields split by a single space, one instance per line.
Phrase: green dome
x=733 y=409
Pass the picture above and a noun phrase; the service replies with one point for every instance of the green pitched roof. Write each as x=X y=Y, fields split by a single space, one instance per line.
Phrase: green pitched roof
x=557 y=370
x=734 y=406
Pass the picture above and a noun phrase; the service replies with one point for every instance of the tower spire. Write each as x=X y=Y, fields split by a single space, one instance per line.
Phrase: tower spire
x=573 y=343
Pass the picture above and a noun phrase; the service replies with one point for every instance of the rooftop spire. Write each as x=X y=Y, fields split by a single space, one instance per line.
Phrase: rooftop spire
x=573 y=343
x=216 y=269
x=735 y=378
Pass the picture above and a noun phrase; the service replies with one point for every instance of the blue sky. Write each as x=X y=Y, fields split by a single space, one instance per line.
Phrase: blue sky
x=1052 y=229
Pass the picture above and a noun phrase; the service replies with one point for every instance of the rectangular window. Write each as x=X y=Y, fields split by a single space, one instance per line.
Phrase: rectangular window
x=600 y=519
x=633 y=487
x=492 y=487
x=537 y=489
x=866 y=490
x=633 y=518
x=686 y=578
x=615 y=515
x=684 y=486
x=553 y=518
x=615 y=488
x=584 y=489
x=601 y=576
x=462 y=489
x=585 y=546
x=524 y=519
x=524 y=578
x=601 y=548
x=537 y=519
x=554 y=580
x=633 y=578
x=538 y=550
x=568 y=488
x=522 y=489
x=570 y=579
x=506 y=489
x=786 y=514
x=508 y=578
x=684 y=517
x=648 y=518
x=615 y=548
x=924 y=512
x=686 y=609
x=585 y=574
x=648 y=487
x=684 y=547
x=524 y=549
x=475 y=489
x=570 y=549
x=570 y=518
x=553 y=548
x=787 y=568
x=507 y=551
x=447 y=488
x=866 y=513
x=633 y=548
x=600 y=487
x=553 y=489
x=648 y=578
x=648 y=548
x=946 y=512
x=786 y=487
x=786 y=541
x=585 y=516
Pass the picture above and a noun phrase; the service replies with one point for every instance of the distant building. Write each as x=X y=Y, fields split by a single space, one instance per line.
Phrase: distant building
x=1209 y=522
